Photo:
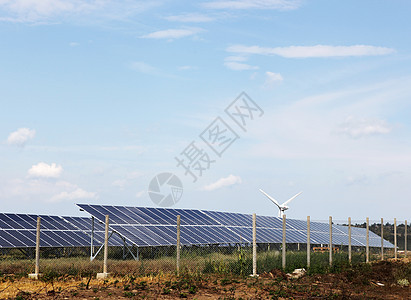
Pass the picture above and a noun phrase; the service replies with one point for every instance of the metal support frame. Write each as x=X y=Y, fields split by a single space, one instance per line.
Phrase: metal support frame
x=93 y=253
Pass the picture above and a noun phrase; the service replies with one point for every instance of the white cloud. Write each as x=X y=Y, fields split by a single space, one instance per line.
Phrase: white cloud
x=75 y=194
x=43 y=170
x=130 y=178
x=120 y=183
x=21 y=136
x=357 y=128
x=190 y=18
x=236 y=58
x=222 y=182
x=357 y=180
x=236 y=66
x=38 y=190
x=272 y=78
x=74 y=44
x=140 y=194
x=43 y=11
x=172 y=33
x=143 y=67
x=254 y=4
x=312 y=51
x=184 y=68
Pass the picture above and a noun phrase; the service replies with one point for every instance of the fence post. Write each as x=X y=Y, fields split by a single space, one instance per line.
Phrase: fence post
x=36 y=273
x=349 y=240
x=254 y=245
x=330 y=246
x=284 y=244
x=367 y=247
x=105 y=274
x=395 y=238
x=308 y=243
x=382 y=239
x=405 y=237
x=178 y=245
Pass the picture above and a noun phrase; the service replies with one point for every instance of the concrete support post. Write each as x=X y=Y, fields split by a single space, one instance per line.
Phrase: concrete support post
x=106 y=245
x=178 y=245
x=308 y=243
x=105 y=273
x=330 y=246
x=405 y=238
x=254 y=245
x=349 y=240
x=367 y=247
x=38 y=246
x=284 y=243
x=36 y=273
x=395 y=239
x=382 y=239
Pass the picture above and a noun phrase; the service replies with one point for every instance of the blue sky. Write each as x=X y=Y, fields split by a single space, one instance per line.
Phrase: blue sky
x=100 y=96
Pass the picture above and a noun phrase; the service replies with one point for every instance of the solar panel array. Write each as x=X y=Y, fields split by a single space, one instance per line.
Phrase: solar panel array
x=19 y=231
x=144 y=226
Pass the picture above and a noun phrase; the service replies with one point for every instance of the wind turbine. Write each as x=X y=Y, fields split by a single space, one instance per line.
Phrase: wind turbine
x=283 y=207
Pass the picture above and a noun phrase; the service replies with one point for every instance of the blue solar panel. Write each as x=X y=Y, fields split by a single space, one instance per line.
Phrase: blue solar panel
x=144 y=226
x=19 y=231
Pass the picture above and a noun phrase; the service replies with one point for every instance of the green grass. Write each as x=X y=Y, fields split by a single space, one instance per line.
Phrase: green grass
x=238 y=262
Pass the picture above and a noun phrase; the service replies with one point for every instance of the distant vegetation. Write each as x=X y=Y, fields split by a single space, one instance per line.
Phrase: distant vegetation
x=389 y=233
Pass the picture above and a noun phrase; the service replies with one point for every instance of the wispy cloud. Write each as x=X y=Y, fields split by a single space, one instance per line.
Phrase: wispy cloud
x=143 y=67
x=360 y=127
x=39 y=190
x=43 y=170
x=44 y=11
x=140 y=194
x=75 y=194
x=187 y=67
x=222 y=182
x=272 y=79
x=254 y=4
x=190 y=18
x=237 y=63
x=313 y=51
x=172 y=34
x=237 y=66
x=148 y=69
x=236 y=58
x=21 y=136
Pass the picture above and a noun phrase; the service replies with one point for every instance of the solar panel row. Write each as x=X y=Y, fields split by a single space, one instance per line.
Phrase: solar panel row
x=144 y=226
x=19 y=231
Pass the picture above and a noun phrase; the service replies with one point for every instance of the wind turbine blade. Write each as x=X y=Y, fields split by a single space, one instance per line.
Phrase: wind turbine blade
x=271 y=198
x=291 y=199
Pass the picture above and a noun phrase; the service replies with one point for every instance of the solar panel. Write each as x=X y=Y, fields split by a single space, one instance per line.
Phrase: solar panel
x=19 y=231
x=84 y=224
x=147 y=226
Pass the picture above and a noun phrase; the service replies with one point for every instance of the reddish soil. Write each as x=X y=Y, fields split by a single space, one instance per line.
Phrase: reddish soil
x=376 y=281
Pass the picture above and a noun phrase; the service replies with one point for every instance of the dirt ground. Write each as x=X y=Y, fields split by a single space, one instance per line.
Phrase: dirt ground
x=379 y=280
